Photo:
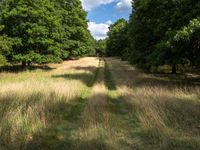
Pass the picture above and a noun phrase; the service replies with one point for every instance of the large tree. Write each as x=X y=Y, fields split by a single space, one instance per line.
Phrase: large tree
x=117 y=38
x=100 y=47
x=153 y=28
x=77 y=39
x=46 y=30
x=37 y=25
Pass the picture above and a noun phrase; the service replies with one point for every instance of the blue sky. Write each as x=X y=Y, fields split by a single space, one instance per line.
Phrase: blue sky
x=102 y=13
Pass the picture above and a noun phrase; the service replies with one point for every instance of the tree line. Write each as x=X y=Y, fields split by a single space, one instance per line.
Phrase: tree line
x=159 y=32
x=43 y=31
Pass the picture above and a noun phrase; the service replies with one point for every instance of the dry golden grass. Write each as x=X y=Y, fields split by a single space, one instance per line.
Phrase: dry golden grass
x=101 y=128
x=59 y=108
x=168 y=111
x=95 y=116
x=32 y=101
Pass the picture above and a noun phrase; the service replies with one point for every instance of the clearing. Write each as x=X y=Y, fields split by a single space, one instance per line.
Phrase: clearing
x=98 y=104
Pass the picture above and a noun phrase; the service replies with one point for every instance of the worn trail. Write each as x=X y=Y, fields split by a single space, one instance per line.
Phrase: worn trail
x=102 y=126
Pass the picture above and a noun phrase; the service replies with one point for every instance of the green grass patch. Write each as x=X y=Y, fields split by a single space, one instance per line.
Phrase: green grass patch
x=123 y=113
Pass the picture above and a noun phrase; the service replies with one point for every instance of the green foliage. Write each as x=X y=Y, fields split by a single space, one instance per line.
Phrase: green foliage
x=47 y=30
x=188 y=31
x=181 y=46
x=36 y=24
x=5 y=47
x=100 y=47
x=117 y=38
x=164 y=32
x=76 y=39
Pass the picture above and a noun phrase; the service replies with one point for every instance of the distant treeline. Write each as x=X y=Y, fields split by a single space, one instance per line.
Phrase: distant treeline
x=159 y=32
x=42 y=31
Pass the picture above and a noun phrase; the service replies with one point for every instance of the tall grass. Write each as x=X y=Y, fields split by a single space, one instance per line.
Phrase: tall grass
x=166 y=108
x=34 y=101
x=102 y=128
x=77 y=105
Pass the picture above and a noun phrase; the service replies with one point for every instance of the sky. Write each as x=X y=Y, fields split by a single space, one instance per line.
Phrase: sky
x=102 y=13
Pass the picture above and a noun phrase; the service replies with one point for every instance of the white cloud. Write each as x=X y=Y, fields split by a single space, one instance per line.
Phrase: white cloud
x=121 y=5
x=109 y=22
x=124 y=5
x=99 y=31
x=90 y=4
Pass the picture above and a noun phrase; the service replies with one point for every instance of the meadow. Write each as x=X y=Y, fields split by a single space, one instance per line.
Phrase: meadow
x=103 y=104
x=35 y=104
x=163 y=109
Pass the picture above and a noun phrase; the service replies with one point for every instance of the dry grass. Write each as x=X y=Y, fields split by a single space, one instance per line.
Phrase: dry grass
x=102 y=128
x=33 y=101
x=59 y=108
x=167 y=110
x=95 y=130
x=92 y=133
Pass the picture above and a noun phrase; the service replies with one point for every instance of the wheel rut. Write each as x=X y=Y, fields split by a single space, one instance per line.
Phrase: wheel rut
x=101 y=126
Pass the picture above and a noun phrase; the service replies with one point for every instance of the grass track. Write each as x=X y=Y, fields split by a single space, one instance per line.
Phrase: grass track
x=105 y=124
x=79 y=105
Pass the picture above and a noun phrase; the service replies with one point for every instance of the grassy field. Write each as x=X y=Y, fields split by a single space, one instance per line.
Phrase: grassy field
x=92 y=104
x=38 y=107
x=164 y=110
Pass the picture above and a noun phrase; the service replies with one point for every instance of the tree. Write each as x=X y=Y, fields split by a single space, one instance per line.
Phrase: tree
x=47 y=30
x=77 y=39
x=152 y=34
x=37 y=25
x=5 y=49
x=6 y=45
x=100 y=47
x=117 y=38
x=188 y=40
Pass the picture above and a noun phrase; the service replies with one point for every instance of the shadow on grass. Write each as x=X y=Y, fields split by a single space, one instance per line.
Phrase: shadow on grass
x=62 y=122
x=59 y=134
x=83 y=77
x=110 y=84
x=121 y=109
x=64 y=133
x=61 y=119
x=181 y=125
x=88 y=68
x=131 y=76
x=19 y=68
x=179 y=78
x=87 y=78
x=182 y=116
x=167 y=80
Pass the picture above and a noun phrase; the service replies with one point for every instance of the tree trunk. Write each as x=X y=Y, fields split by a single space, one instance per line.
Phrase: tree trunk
x=174 y=69
x=23 y=64
x=29 y=64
